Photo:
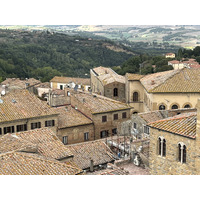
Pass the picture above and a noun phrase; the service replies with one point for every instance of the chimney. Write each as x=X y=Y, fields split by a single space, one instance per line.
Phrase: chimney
x=91 y=165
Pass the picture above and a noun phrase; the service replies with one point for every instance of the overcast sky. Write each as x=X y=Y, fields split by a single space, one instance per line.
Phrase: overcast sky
x=99 y=12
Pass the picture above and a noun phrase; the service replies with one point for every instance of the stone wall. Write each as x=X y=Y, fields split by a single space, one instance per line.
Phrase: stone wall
x=170 y=165
x=41 y=119
x=109 y=91
x=76 y=134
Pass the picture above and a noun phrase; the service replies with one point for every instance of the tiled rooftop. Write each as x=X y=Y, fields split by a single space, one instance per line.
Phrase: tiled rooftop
x=162 y=114
x=183 y=124
x=98 y=151
x=43 y=140
x=151 y=116
x=134 y=77
x=18 y=163
x=16 y=82
x=60 y=79
x=21 y=104
x=69 y=117
x=152 y=81
x=98 y=104
x=107 y=75
x=184 y=80
x=103 y=70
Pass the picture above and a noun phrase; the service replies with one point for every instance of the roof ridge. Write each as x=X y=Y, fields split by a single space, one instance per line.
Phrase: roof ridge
x=37 y=158
x=174 y=118
x=164 y=82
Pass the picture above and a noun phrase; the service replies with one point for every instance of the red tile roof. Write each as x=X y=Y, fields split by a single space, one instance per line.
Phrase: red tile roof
x=183 y=124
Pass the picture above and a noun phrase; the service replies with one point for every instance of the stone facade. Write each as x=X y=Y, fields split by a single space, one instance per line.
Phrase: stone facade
x=28 y=122
x=148 y=97
x=76 y=134
x=170 y=165
x=108 y=83
x=110 y=125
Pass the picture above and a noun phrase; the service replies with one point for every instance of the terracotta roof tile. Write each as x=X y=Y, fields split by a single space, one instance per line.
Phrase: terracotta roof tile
x=152 y=81
x=60 y=79
x=184 y=124
x=98 y=104
x=68 y=117
x=107 y=75
x=16 y=82
x=44 y=139
x=21 y=104
x=184 y=80
x=133 y=77
x=98 y=151
x=17 y=163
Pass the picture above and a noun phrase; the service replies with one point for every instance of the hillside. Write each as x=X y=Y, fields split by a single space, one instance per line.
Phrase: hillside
x=43 y=54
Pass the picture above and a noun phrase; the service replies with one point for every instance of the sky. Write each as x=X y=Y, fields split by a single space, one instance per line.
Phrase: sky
x=103 y=12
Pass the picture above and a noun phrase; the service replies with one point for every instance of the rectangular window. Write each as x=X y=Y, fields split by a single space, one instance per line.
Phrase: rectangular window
x=146 y=129
x=104 y=118
x=0 y=131
x=104 y=134
x=86 y=136
x=49 y=123
x=134 y=125
x=65 y=140
x=114 y=131
x=22 y=127
x=61 y=87
x=124 y=115
x=9 y=129
x=115 y=116
x=35 y=125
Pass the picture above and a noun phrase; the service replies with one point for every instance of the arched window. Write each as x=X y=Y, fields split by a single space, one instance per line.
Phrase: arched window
x=187 y=106
x=115 y=92
x=174 y=106
x=181 y=153
x=164 y=147
x=161 y=146
x=135 y=96
x=162 y=107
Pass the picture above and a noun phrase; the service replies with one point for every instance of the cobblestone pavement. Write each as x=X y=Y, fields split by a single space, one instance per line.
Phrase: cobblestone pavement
x=134 y=170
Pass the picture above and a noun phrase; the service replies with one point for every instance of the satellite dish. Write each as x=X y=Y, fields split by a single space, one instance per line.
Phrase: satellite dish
x=1 y=101
x=3 y=92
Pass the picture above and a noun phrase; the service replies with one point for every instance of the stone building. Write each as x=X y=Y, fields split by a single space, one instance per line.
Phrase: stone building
x=105 y=113
x=174 y=144
x=74 y=126
x=174 y=89
x=139 y=121
x=62 y=82
x=57 y=97
x=21 y=110
x=170 y=55
x=106 y=82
